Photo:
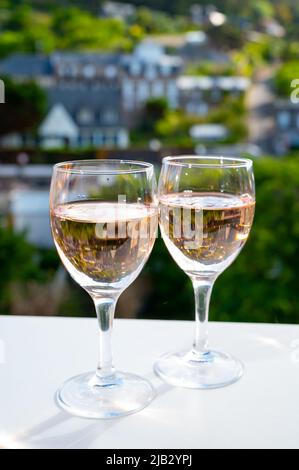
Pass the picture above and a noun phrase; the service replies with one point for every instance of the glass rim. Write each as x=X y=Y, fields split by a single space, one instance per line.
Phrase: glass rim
x=208 y=161
x=77 y=167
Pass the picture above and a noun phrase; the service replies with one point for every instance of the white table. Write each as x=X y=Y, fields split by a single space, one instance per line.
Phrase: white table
x=262 y=410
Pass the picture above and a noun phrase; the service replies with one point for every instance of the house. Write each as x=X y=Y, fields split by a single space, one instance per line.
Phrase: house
x=83 y=116
x=198 y=47
x=149 y=73
x=198 y=94
x=286 y=129
x=88 y=68
x=63 y=67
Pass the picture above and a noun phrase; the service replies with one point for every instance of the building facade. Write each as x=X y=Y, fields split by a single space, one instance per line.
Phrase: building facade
x=197 y=95
x=286 y=126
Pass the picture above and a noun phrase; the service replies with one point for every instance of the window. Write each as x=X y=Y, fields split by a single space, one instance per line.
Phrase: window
x=89 y=71
x=135 y=68
x=86 y=139
x=165 y=70
x=110 y=116
x=158 y=88
x=109 y=140
x=85 y=116
x=111 y=71
x=284 y=119
x=142 y=91
x=200 y=109
x=97 y=139
x=128 y=89
x=172 y=94
x=216 y=94
x=151 y=72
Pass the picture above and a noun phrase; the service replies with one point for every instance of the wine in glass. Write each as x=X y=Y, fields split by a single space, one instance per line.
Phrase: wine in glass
x=206 y=212
x=104 y=219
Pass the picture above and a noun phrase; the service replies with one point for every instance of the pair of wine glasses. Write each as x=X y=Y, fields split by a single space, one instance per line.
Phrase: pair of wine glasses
x=104 y=217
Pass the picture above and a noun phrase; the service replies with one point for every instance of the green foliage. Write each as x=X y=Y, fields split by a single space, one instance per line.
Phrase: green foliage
x=25 y=30
x=232 y=114
x=10 y=42
x=43 y=26
x=284 y=76
x=227 y=36
x=28 y=30
x=24 y=108
x=20 y=262
x=20 y=18
x=173 y=128
x=212 y=69
x=76 y=29
x=262 y=284
x=154 y=110
x=157 y=22
x=288 y=51
x=263 y=9
x=171 y=296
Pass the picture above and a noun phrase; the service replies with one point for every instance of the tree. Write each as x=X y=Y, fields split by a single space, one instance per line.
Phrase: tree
x=77 y=29
x=24 y=107
x=155 y=109
x=19 y=19
x=17 y=262
x=284 y=76
x=10 y=42
x=227 y=36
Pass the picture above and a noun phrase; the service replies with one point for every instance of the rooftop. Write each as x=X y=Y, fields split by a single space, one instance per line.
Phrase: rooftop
x=26 y=65
x=93 y=99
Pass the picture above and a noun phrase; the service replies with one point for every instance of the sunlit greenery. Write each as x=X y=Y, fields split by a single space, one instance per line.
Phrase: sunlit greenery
x=66 y=26
x=172 y=127
x=27 y=30
x=212 y=69
x=77 y=29
x=284 y=77
x=21 y=262
x=24 y=107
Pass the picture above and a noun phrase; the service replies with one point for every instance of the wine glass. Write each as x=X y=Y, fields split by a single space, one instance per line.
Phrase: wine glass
x=104 y=219
x=206 y=212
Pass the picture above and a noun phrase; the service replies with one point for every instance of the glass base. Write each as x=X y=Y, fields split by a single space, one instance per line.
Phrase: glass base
x=88 y=396
x=190 y=369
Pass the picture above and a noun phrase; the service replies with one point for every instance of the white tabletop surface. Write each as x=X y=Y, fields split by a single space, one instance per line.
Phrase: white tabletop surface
x=38 y=354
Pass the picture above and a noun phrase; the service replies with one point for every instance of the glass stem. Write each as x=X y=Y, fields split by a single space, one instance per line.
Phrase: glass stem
x=202 y=290
x=105 y=308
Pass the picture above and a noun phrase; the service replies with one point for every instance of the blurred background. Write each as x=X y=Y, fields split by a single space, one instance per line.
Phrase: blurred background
x=142 y=80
